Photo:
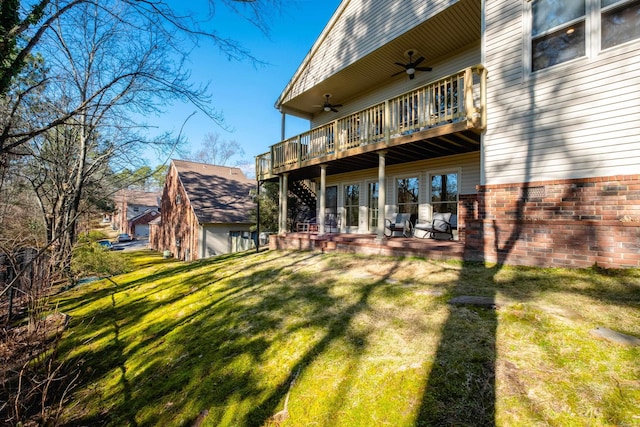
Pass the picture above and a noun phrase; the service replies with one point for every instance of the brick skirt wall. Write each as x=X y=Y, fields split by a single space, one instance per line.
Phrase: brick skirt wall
x=562 y=223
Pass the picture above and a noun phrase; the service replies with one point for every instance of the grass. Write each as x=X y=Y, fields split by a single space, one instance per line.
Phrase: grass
x=351 y=341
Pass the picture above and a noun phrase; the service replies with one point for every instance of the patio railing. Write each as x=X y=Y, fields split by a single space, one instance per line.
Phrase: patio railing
x=452 y=99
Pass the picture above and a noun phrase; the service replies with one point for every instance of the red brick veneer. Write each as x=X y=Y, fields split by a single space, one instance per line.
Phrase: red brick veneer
x=561 y=223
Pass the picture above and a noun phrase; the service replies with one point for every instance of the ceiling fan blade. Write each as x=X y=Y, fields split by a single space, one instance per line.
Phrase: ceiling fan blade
x=402 y=65
x=399 y=72
x=334 y=110
x=423 y=68
x=337 y=105
x=418 y=61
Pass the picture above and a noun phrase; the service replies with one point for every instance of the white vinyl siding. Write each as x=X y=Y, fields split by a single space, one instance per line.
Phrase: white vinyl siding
x=572 y=120
x=215 y=239
x=358 y=28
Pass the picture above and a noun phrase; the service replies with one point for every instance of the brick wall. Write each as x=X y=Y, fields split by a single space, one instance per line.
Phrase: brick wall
x=178 y=230
x=562 y=223
x=156 y=241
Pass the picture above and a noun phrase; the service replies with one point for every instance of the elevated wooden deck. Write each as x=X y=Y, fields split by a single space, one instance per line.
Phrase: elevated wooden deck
x=441 y=118
x=369 y=245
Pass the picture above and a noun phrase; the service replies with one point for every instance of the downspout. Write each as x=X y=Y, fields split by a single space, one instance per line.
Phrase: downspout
x=483 y=58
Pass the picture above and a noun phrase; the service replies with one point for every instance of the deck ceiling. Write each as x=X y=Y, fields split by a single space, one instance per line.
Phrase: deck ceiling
x=446 y=145
x=455 y=28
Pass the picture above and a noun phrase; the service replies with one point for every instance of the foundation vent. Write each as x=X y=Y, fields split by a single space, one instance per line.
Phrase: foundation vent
x=532 y=193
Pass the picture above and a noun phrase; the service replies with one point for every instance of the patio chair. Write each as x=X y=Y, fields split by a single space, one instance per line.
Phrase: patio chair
x=398 y=225
x=439 y=228
x=332 y=222
x=307 y=226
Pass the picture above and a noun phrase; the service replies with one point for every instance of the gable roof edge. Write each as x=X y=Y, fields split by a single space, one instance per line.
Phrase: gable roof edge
x=314 y=48
x=186 y=193
x=200 y=205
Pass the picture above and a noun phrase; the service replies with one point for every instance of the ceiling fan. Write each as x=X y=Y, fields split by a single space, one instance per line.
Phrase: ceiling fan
x=327 y=106
x=412 y=66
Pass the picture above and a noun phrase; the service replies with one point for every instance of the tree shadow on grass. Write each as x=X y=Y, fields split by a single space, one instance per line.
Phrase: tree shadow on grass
x=227 y=341
x=176 y=268
x=460 y=390
x=461 y=386
x=214 y=350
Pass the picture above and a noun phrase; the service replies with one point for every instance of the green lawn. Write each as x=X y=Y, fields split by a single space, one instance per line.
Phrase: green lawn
x=351 y=341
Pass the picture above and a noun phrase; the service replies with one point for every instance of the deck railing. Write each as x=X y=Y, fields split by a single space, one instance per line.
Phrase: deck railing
x=458 y=97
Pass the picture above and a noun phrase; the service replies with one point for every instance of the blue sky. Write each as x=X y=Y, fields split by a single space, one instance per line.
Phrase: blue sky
x=244 y=94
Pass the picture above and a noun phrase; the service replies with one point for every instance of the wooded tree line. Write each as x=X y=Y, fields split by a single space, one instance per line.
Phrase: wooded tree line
x=76 y=77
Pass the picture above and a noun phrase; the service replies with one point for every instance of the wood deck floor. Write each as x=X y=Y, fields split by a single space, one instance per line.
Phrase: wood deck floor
x=369 y=245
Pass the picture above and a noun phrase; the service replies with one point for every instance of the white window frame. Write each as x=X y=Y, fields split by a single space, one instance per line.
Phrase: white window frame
x=605 y=9
x=370 y=227
x=344 y=205
x=593 y=14
x=395 y=189
x=439 y=172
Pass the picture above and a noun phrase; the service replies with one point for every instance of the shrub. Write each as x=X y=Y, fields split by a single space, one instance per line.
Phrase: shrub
x=91 y=259
x=92 y=236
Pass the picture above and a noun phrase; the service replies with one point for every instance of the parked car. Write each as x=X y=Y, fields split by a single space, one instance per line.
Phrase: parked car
x=106 y=244
x=109 y=246
x=124 y=237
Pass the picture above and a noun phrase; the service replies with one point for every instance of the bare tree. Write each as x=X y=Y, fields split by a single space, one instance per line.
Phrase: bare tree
x=25 y=25
x=72 y=72
x=90 y=68
x=217 y=151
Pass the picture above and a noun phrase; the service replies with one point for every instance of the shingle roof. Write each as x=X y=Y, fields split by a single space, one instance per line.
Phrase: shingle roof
x=218 y=194
x=139 y=198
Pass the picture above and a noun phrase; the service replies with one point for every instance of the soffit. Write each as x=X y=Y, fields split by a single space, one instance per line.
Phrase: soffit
x=451 y=30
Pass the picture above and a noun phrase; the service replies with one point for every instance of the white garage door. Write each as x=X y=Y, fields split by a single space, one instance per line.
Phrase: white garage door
x=142 y=230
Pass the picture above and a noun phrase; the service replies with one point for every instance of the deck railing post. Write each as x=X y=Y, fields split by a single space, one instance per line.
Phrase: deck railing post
x=387 y=122
x=336 y=137
x=469 y=109
x=258 y=168
x=274 y=159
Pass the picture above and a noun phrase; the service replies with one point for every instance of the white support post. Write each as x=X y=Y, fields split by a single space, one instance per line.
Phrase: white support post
x=382 y=194
x=323 y=200
x=284 y=193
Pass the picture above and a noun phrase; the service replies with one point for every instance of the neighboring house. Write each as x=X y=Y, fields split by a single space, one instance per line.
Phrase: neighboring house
x=139 y=225
x=205 y=211
x=521 y=118
x=133 y=207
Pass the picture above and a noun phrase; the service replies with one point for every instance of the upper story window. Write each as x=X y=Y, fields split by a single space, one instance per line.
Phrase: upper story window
x=557 y=32
x=620 y=22
x=562 y=30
